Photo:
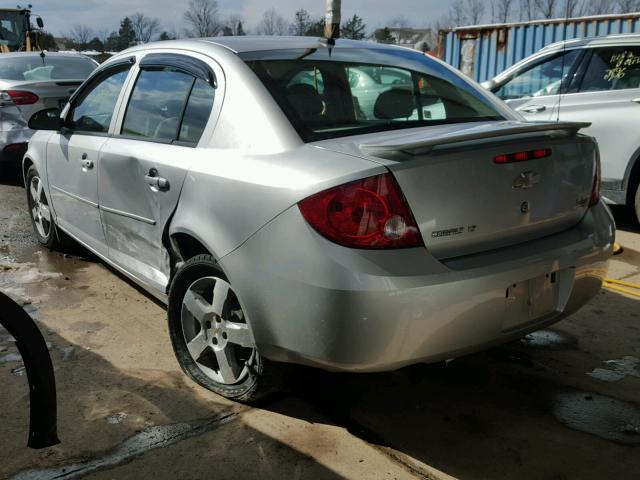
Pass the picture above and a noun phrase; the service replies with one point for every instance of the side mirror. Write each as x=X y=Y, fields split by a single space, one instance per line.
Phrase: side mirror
x=48 y=119
x=39 y=22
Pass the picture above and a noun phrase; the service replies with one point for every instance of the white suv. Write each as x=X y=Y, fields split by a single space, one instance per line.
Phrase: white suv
x=593 y=80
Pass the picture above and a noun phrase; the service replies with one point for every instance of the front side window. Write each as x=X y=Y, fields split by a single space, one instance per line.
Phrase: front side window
x=351 y=93
x=93 y=109
x=540 y=79
x=156 y=105
x=613 y=68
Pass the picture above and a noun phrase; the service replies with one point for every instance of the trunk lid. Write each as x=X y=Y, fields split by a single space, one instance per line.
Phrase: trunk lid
x=463 y=201
x=51 y=93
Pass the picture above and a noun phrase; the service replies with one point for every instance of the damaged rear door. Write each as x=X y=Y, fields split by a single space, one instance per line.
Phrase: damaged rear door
x=144 y=165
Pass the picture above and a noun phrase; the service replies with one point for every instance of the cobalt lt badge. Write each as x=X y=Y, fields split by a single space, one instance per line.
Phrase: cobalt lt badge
x=525 y=207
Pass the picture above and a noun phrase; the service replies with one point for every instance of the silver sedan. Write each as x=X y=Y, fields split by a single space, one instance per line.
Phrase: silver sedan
x=30 y=82
x=240 y=181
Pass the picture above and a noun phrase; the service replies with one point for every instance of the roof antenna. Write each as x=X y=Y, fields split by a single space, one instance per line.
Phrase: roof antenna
x=332 y=23
x=564 y=54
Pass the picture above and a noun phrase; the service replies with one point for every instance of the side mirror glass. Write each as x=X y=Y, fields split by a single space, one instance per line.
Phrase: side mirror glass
x=39 y=22
x=48 y=119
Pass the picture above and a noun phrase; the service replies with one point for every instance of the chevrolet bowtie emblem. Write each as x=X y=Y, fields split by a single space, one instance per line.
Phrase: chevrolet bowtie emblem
x=526 y=180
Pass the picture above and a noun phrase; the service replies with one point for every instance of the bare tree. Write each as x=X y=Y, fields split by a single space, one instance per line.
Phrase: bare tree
x=600 y=7
x=235 y=24
x=501 y=10
x=272 y=23
x=80 y=34
x=144 y=27
x=475 y=9
x=546 y=8
x=527 y=10
x=573 y=8
x=627 y=6
x=202 y=18
x=458 y=14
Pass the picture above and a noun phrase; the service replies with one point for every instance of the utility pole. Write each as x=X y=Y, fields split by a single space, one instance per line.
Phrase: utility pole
x=332 y=20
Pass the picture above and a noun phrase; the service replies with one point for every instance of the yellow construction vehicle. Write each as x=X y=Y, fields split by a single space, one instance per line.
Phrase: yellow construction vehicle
x=16 y=32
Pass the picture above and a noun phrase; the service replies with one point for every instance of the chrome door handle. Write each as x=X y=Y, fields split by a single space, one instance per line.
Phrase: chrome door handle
x=156 y=181
x=636 y=100
x=533 y=109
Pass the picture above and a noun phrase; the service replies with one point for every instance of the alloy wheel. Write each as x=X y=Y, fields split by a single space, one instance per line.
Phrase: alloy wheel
x=40 y=211
x=215 y=331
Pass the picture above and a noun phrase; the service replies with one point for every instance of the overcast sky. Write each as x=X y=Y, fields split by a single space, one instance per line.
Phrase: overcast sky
x=60 y=15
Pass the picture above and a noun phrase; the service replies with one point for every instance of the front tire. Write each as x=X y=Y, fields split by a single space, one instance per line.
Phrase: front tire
x=42 y=221
x=636 y=204
x=211 y=338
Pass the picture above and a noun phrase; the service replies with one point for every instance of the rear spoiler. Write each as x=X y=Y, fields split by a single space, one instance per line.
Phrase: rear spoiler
x=416 y=146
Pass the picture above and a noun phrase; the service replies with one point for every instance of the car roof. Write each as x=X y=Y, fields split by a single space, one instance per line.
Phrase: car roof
x=621 y=39
x=255 y=43
x=37 y=54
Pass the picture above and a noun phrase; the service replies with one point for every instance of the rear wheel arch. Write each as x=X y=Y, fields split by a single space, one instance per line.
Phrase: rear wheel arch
x=26 y=165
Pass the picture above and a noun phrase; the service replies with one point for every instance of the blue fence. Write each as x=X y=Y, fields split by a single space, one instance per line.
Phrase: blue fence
x=483 y=51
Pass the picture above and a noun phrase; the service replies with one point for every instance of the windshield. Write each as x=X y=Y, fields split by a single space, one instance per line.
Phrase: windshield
x=12 y=25
x=362 y=91
x=33 y=67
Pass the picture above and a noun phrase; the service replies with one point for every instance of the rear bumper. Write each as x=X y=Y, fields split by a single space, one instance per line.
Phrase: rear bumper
x=11 y=137
x=312 y=302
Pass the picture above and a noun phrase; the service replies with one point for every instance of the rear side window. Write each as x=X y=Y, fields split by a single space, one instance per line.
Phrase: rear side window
x=93 y=109
x=614 y=68
x=197 y=112
x=540 y=79
x=156 y=105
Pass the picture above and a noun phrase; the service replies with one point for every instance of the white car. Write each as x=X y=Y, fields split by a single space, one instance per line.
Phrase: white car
x=594 y=80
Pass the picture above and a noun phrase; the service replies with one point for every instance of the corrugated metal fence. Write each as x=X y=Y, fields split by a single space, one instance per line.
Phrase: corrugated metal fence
x=483 y=51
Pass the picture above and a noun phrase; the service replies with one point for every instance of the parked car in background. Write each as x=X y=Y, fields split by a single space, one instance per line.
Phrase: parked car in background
x=238 y=180
x=30 y=82
x=593 y=80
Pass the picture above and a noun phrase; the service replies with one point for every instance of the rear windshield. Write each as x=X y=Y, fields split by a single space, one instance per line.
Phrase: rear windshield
x=47 y=68
x=356 y=91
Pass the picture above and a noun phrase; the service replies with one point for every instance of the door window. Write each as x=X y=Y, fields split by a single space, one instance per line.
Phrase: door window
x=157 y=103
x=197 y=112
x=540 y=79
x=613 y=68
x=93 y=109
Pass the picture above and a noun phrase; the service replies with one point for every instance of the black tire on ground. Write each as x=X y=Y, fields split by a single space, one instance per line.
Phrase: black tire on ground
x=636 y=204
x=52 y=238
x=263 y=377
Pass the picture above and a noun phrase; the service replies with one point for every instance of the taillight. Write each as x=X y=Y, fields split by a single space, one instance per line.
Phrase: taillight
x=523 y=156
x=22 y=97
x=368 y=213
x=595 y=190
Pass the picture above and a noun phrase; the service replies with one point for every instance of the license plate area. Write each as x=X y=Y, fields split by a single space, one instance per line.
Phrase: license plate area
x=530 y=300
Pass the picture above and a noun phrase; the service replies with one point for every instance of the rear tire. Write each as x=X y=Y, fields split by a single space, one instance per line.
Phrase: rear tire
x=44 y=226
x=210 y=336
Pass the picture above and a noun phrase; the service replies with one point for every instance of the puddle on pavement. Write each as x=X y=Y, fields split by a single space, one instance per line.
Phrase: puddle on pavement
x=605 y=417
x=148 y=439
x=546 y=339
x=618 y=369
